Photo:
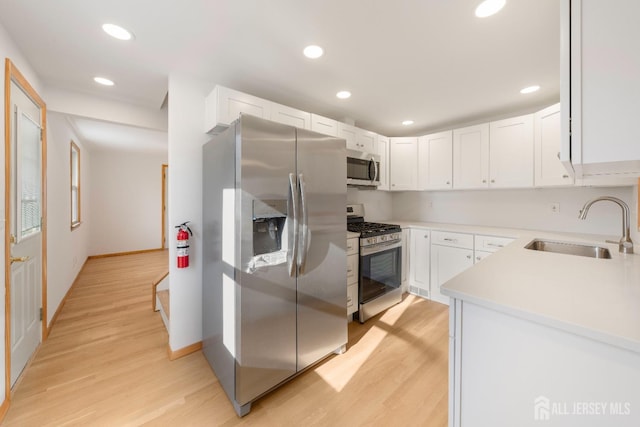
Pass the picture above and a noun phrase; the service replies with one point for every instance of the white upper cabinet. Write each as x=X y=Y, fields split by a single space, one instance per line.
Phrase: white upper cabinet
x=366 y=140
x=290 y=116
x=224 y=105
x=549 y=170
x=348 y=132
x=599 y=83
x=435 y=161
x=511 y=152
x=471 y=157
x=358 y=139
x=403 y=174
x=383 y=151
x=324 y=125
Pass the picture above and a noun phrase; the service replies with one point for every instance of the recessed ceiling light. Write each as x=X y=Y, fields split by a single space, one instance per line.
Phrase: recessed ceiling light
x=489 y=7
x=530 y=89
x=103 y=81
x=313 y=51
x=117 y=32
x=343 y=94
x=407 y=122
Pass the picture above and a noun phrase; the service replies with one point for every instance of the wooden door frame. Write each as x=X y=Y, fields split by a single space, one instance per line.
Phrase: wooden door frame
x=164 y=244
x=12 y=74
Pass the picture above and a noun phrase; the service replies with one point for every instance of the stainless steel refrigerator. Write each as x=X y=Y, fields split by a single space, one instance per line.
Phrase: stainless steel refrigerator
x=274 y=250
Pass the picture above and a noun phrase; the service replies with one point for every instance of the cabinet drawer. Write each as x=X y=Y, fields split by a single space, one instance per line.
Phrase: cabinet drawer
x=457 y=240
x=352 y=246
x=352 y=269
x=352 y=299
x=491 y=243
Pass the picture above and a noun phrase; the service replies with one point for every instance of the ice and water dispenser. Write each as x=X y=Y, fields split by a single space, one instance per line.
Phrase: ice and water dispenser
x=269 y=223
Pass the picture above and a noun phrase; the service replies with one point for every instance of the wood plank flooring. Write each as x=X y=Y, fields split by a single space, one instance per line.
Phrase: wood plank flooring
x=105 y=363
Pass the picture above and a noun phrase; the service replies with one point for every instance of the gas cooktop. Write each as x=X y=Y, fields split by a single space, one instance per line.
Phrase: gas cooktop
x=369 y=229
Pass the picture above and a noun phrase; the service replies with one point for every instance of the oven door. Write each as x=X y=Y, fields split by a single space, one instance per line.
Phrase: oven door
x=380 y=270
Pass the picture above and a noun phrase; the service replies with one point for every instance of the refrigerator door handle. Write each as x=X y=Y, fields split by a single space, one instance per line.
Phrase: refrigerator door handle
x=303 y=247
x=293 y=241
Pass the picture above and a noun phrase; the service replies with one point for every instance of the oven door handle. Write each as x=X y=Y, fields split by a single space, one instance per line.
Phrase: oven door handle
x=292 y=250
x=379 y=247
x=303 y=247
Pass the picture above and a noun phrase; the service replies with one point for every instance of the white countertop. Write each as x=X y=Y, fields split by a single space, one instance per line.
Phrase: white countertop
x=595 y=298
x=352 y=235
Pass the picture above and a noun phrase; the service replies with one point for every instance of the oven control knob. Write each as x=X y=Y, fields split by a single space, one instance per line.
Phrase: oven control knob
x=383 y=238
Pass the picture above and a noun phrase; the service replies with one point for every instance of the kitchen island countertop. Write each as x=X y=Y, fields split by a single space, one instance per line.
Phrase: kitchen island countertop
x=595 y=298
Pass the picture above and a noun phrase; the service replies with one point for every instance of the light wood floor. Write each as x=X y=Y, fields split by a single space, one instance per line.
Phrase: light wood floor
x=105 y=363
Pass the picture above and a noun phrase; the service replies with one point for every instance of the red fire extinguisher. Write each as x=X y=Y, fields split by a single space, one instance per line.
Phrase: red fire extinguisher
x=183 y=244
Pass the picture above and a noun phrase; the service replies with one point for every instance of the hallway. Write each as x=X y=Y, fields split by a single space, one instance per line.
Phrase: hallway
x=105 y=364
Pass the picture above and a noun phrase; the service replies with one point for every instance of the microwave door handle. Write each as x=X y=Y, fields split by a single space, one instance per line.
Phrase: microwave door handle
x=292 y=250
x=375 y=168
x=303 y=247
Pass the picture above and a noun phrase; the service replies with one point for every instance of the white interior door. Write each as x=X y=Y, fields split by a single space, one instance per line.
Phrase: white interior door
x=26 y=232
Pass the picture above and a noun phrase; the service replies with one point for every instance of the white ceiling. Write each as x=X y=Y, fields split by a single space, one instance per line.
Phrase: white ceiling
x=107 y=135
x=431 y=61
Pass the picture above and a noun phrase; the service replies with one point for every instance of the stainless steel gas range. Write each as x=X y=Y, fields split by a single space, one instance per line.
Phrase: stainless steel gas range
x=380 y=267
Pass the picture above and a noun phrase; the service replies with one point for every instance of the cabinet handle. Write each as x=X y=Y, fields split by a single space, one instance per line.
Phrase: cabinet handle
x=349 y=270
x=425 y=236
x=565 y=176
x=484 y=181
x=448 y=182
x=468 y=256
x=493 y=181
x=478 y=258
x=495 y=245
x=446 y=239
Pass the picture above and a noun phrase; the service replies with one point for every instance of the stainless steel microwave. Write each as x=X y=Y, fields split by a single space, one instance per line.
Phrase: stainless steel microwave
x=363 y=169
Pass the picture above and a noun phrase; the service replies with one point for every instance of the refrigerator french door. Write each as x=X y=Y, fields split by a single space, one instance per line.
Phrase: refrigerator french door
x=274 y=293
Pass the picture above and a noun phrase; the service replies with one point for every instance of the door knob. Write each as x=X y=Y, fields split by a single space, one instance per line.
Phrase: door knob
x=19 y=259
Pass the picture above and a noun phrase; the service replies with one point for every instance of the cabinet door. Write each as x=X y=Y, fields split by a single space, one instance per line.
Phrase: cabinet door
x=480 y=255
x=447 y=262
x=224 y=105
x=471 y=157
x=604 y=67
x=419 y=266
x=435 y=161
x=352 y=269
x=352 y=299
x=403 y=153
x=290 y=116
x=511 y=152
x=324 y=125
x=406 y=236
x=383 y=151
x=366 y=140
x=549 y=170
x=348 y=132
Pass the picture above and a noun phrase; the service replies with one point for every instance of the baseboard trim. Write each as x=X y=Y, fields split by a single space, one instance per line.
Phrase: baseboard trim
x=173 y=355
x=4 y=408
x=64 y=299
x=143 y=251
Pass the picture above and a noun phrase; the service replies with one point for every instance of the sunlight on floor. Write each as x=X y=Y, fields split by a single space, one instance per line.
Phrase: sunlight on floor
x=338 y=374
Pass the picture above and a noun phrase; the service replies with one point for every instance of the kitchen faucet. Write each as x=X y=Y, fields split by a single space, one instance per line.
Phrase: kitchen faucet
x=625 y=245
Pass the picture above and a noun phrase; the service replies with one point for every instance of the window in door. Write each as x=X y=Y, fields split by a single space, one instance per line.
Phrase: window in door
x=75 y=186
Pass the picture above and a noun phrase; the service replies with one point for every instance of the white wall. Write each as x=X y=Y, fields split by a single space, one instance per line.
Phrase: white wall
x=126 y=200
x=186 y=118
x=67 y=250
x=79 y=104
x=378 y=205
x=527 y=209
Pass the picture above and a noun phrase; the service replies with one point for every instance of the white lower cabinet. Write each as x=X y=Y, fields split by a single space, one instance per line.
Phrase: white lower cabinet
x=506 y=370
x=406 y=233
x=451 y=254
x=352 y=275
x=419 y=266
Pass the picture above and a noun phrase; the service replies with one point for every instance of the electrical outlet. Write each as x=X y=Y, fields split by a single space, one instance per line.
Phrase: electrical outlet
x=554 y=208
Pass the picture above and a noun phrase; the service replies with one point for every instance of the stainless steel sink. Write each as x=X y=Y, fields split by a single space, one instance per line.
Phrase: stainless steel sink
x=591 y=251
